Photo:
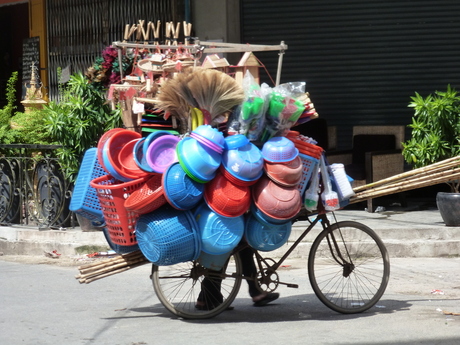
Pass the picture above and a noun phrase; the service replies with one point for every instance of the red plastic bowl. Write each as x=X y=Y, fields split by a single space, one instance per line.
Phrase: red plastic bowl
x=127 y=162
x=100 y=145
x=286 y=174
x=227 y=198
x=276 y=201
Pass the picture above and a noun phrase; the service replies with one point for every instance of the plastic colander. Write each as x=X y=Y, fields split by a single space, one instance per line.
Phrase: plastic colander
x=227 y=198
x=180 y=190
x=219 y=234
x=245 y=162
x=279 y=149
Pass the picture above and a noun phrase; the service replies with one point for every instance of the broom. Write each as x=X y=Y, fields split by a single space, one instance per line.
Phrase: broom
x=214 y=92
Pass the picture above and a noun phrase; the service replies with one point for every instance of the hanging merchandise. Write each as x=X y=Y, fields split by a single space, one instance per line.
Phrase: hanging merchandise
x=329 y=198
x=312 y=193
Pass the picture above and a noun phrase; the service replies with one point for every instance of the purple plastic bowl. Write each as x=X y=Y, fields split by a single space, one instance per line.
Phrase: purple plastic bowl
x=162 y=153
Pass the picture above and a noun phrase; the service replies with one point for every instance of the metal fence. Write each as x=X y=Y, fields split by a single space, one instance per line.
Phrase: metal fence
x=33 y=189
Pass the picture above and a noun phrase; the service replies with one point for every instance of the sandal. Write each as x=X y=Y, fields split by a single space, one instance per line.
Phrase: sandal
x=270 y=297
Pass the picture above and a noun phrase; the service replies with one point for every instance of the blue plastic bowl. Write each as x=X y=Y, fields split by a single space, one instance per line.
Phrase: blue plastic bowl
x=219 y=234
x=266 y=237
x=245 y=163
x=139 y=157
x=200 y=160
x=180 y=190
x=168 y=236
x=212 y=134
x=279 y=149
x=235 y=141
x=263 y=218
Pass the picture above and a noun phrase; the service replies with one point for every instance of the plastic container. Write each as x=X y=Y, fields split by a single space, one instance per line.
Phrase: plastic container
x=207 y=143
x=235 y=141
x=344 y=187
x=148 y=197
x=168 y=236
x=199 y=161
x=117 y=248
x=152 y=137
x=84 y=199
x=264 y=236
x=139 y=157
x=236 y=180
x=127 y=162
x=219 y=234
x=112 y=195
x=227 y=198
x=264 y=218
x=161 y=153
x=276 y=201
x=279 y=149
x=309 y=165
x=111 y=150
x=180 y=190
x=212 y=134
x=213 y=262
x=245 y=162
x=286 y=174
x=100 y=145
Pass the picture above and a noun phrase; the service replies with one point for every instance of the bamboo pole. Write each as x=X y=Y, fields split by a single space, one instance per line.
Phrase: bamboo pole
x=89 y=280
x=413 y=185
x=439 y=165
x=445 y=173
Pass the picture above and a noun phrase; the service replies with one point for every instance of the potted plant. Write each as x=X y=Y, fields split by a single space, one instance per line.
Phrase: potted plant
x=436 y=137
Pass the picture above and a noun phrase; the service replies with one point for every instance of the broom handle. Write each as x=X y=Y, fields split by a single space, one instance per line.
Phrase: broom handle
x=408 y=173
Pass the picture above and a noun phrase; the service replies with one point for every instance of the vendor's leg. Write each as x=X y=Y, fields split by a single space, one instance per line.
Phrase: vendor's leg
x=210 y=294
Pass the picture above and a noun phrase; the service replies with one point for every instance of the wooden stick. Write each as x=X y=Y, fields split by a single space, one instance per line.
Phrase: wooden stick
x=112 y=267
x=125 y=256
x=87 y=281
x=409 y=186
x=420 y=178
x=408 y=173
x=110 y=263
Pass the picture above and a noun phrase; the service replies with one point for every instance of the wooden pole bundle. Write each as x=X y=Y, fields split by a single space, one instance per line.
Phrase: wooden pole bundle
x=97 y=270
x=440 y=172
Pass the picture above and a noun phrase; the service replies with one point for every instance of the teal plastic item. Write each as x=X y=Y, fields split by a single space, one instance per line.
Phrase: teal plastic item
x=264 y=236
x=219 y=234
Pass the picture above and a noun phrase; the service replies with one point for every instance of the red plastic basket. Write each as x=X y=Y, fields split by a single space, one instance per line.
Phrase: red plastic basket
x=112 y=195
x=148 y=197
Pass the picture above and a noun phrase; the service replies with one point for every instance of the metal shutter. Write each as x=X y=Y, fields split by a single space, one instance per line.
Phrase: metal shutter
x=362 y=60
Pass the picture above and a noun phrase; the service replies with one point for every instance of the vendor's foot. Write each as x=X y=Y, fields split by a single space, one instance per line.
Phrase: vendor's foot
x=265 y=298
x=200 y=305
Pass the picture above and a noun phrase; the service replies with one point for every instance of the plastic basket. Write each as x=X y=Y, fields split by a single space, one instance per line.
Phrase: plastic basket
x=148 y=197
x=112 y=195
x=117 y=248
x=84 y=199
x=264 y=236
x=310 y=165
x=168 y=236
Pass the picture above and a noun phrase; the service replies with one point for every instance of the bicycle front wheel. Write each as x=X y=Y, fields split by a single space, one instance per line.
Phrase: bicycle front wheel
x=178 y=287
x=348 y=267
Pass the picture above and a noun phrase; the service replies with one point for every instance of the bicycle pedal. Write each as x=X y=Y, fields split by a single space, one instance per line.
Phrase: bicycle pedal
x=294 y=286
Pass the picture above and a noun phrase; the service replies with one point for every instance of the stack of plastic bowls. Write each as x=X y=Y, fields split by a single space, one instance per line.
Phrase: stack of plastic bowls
x=100 y=144
x=110 y=153
x=209 y=137
x=180 y=190
x=199 y=161
x=168 y=236
x=242 y=161
x=219 y=234
x=126 y=158
x=286 y=174
x=227 y=198
x=278 y=202
x=265 y=236
x=279 y=149
x=161 y=152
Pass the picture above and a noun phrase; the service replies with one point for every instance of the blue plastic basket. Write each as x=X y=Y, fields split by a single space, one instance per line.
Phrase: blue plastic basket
x=168 y=236
x=117 y=248
x=219 y=234
x=310 y=164
x=84 y=199
x=264 y=236
x=180 y=190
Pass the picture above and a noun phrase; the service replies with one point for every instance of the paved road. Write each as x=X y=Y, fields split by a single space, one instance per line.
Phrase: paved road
x=44 y=304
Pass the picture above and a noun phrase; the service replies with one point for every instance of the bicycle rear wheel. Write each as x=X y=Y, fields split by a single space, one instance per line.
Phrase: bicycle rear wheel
x=348 y=267
x=178 y=287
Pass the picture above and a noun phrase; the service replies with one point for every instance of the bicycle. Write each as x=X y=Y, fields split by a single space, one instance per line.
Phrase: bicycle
x=348 y=269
